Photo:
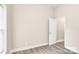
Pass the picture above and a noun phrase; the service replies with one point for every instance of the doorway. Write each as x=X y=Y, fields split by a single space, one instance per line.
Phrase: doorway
x=56 y=30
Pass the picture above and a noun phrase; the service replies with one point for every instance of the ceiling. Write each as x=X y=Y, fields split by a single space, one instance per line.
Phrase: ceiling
x=54 y=5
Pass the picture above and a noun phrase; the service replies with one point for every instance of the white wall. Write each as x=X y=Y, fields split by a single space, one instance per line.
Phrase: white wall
x=30 y=25
x=72 y=25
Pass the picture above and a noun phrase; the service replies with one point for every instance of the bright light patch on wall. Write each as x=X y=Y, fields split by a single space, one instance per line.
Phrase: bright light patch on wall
x=63 y=20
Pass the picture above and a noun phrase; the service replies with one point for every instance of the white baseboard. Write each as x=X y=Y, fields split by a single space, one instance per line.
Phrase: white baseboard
x=72 y=49
x=59 y=41
x=26 y=48
x=56 y=42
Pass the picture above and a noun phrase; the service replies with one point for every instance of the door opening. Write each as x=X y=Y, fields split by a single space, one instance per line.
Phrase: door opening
x=56 y=30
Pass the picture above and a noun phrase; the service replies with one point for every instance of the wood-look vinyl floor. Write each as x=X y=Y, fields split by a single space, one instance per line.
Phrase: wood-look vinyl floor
x=58 y=48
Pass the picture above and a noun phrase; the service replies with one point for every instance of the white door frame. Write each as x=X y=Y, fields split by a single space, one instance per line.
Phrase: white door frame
x=4 y=28
x=52 y=31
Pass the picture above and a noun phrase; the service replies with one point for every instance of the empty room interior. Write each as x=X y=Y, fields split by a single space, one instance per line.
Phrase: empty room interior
x=39 y=28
